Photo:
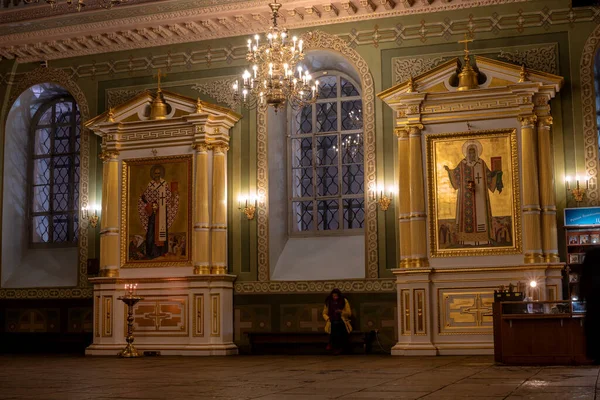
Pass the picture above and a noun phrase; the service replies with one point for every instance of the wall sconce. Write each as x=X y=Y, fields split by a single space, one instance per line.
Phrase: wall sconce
x=248 y=205
x=577 y=191
x=382 y=198
x=85 y=214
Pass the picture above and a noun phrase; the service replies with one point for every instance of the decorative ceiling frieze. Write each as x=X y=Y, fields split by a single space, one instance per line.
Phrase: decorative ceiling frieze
x=36 y=33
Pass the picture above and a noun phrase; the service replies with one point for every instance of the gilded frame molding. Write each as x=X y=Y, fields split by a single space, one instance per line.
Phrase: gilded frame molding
x=590 y=124
x=318 y=40
x=124 y=229
x=62 y=78
x=516 y=248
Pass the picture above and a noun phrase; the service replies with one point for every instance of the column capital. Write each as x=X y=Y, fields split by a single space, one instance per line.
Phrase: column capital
x=409 y=130
x=545 y=121
x=220 y=148
x=201 y=147
x=108 y=155
x=527 y=120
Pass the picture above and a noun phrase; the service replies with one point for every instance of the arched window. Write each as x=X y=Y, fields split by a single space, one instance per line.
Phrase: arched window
x=54 y=177
x=326 y=159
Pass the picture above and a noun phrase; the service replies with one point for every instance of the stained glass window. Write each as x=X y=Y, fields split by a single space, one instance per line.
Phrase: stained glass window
x=54 y=194
x=326 y=151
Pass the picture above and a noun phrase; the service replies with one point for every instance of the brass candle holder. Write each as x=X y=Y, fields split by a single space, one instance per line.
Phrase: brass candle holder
x=578 y=192
x=130 y=299
x=248 y=206
x=384 y=201
x=85 y=214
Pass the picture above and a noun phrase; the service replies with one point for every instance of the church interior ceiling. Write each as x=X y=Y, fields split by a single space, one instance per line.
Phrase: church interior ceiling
x=35 y=32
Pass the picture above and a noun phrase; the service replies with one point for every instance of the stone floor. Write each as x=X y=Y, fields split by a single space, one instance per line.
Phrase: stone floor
x=291 y=377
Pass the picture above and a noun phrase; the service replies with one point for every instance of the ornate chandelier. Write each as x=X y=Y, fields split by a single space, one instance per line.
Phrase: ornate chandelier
x=80 y=4
x=276 y=77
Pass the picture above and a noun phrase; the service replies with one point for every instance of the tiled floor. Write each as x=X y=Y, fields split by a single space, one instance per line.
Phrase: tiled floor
x=292 y=377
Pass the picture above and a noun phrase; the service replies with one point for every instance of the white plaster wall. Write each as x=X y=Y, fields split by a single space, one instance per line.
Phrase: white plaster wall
x=22 y=267
x=321 y=258
x=454 y=262
x=278 y=184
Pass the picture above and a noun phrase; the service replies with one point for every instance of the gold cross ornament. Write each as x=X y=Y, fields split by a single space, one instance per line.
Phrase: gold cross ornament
x=466 y=41
x=158 y=75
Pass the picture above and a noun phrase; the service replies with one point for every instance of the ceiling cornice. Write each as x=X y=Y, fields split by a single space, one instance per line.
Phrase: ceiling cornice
x=142 y=25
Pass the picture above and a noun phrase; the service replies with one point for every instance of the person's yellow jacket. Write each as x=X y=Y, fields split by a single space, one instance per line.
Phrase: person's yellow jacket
x=346 y=314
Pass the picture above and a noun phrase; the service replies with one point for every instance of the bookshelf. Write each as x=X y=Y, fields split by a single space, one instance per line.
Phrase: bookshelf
x=582 y=231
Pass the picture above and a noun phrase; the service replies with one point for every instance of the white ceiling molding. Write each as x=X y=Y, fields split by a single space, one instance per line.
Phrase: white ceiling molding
x=145 y=23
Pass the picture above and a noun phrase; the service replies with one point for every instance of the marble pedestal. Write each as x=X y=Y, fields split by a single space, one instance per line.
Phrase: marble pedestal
x=448 y=311
x=190 y=315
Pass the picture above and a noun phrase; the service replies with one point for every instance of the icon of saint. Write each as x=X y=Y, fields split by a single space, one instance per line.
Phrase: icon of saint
x=474 y=181
x=157 y=208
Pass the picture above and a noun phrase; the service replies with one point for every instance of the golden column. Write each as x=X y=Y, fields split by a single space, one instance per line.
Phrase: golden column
x=219 y=211
x=201 y=254
x=404 y=197
x=109 y=223
x=532 y=239
x=418 y=216
x=547 y=194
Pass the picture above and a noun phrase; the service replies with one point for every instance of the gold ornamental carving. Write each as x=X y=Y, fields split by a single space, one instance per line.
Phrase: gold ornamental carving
x=546 y=121
x=220 y=149
x=465 y=311
x=588 y=107
x=161 y=316
x=201 y=147
x=528 y=120
x=107 y=155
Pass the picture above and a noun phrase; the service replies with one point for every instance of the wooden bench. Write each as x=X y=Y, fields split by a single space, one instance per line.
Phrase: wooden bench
x=286 y=342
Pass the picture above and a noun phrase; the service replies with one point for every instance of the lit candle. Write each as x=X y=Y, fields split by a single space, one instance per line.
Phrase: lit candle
x=300 y=43
x=294 y=40
x=256 y=38
x=577 y=182
x=300 y=72
x=255 y=69
x=568 y=180
x=249 y=44
x=391 y=189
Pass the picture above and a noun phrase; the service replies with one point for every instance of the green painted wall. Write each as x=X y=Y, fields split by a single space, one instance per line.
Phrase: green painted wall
x=378 y=41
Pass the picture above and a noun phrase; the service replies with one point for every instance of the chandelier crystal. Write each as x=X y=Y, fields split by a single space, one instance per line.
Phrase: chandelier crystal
x=80 y=4
x=275 y=77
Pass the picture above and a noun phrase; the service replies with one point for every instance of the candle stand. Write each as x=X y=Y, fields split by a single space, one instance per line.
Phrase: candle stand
x=130 y=351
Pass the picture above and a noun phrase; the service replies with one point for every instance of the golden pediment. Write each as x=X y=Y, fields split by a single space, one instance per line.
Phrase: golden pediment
x=139 y=108
x=494 y=74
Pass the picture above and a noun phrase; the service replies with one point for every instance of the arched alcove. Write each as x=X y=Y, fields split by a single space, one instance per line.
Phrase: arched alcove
x=34 y=261
x=324 y=53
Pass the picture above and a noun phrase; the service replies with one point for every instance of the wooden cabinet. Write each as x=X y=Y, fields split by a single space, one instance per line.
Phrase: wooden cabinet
x=550 y=333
